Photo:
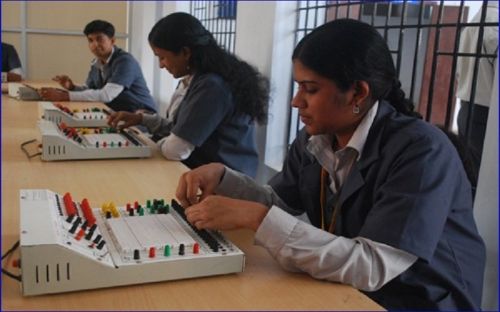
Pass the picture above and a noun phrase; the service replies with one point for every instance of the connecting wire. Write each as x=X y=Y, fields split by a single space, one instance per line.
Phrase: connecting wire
x=26 y=152
x=10 y=251
x=13 y=276
x=14 y=247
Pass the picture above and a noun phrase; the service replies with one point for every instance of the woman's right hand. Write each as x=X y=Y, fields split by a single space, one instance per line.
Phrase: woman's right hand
x=64 y=81
x=204 y=178
x=120 y=120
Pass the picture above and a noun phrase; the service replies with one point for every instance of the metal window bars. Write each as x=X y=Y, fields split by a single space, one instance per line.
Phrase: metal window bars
x=219 y=17
x=423 y=35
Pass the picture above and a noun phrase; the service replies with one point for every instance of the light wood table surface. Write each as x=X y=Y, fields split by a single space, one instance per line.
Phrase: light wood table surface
x=262 y=286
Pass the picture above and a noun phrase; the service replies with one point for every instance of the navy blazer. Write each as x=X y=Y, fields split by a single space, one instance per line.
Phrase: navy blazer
x=208 y=119
x=408 y=190
x=124 y=70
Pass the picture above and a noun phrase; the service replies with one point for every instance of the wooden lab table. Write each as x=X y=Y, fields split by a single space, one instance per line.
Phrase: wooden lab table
x=262 y=286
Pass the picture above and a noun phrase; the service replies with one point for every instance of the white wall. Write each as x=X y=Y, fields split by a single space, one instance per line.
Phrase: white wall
x=265 y=38
x=142 y=19
x=486 y=203
x=143 y=16
x=256 y=49
x=281 y=73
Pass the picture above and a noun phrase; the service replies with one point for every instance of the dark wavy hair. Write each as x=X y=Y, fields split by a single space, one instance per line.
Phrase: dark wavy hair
x=100 y=26
x=347 y=51
x=249 y=88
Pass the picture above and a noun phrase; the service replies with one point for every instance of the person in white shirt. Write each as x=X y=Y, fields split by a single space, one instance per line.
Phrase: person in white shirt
x=473 y=138
x=388 y=202
x=115 y=76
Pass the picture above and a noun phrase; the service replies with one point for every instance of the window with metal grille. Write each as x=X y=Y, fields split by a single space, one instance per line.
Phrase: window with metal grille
x=219 y=17
x=424 y=39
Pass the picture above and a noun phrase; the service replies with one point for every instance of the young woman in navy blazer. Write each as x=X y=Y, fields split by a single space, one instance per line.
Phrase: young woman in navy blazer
x=387 y=198
x=212 y=114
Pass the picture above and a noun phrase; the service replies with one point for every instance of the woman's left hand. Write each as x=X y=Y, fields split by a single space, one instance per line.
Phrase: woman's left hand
x=53 y=94
x=224 y=213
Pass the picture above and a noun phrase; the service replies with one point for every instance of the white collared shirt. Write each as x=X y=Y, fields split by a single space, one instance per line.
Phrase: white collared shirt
x=299 y=246
x=100 y=65
x=338 y=163
x=178 y=96
x=173 y=147
x=107 y=94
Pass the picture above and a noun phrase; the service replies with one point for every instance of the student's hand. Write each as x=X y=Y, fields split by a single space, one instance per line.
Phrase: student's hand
x=64 y=81
x=224 y=213
x=53 y=94
x=120 y=120
x=204 y=178
x=14 y=77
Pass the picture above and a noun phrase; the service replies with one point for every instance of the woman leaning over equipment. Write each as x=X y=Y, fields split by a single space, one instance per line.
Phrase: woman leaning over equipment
x=386 y=194
x=212 y=112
